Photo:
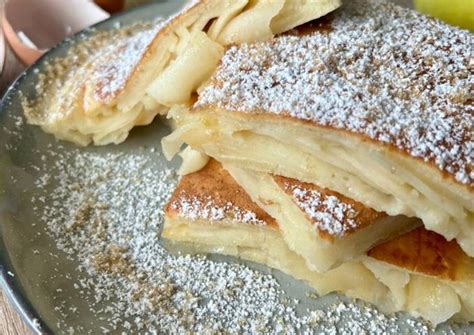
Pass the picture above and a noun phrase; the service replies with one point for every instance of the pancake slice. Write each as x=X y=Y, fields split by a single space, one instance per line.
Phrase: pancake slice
x=364 y=106
x=93 y=96
x=211 y=212
x=135 y=74
x=324 y=227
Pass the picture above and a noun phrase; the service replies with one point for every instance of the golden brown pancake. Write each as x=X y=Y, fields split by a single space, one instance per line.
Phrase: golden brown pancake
x=397 y=275
x=367 y=108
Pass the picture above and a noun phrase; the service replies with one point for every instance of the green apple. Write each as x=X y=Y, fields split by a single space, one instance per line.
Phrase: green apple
x=456 y=12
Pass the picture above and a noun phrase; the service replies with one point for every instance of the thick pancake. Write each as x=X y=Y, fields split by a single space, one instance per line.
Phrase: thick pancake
x=366 y=108
x=127 y=80
x=413 y=283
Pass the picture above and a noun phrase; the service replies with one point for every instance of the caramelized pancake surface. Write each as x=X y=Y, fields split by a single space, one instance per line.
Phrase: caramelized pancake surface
x=423 y=251
x=333 y=214
x=212 y=193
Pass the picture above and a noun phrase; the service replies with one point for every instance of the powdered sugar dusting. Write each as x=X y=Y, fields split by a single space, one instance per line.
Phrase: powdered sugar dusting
x=384 y=72
x=331 y=215
x=206 y=208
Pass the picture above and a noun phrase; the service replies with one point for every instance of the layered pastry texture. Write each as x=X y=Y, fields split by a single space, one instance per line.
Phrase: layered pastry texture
x=135 y=77
x=419 y=271
x=324 y=227
x=376 y=105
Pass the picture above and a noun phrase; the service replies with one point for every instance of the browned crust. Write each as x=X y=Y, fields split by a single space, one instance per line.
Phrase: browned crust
x=287 y=118
x=426 y=252
x=364 y=216
x=214 y=182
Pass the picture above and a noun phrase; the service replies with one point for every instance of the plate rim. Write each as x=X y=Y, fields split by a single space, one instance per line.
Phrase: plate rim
x=9 y=285
x=3 y=50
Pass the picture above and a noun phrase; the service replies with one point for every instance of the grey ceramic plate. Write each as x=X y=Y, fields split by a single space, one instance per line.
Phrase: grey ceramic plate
x=31 y=281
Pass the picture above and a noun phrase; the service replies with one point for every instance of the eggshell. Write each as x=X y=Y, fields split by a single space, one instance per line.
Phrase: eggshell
x=34 y=26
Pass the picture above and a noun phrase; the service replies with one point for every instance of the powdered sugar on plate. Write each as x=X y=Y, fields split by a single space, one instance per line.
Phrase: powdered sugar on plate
x=382 y=71
x=106 y=211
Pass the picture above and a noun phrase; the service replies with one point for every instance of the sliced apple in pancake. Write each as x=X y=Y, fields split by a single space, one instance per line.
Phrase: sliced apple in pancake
x=214 y=214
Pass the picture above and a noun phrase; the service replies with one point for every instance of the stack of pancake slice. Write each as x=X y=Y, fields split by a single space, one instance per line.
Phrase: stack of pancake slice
x=342 y=153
